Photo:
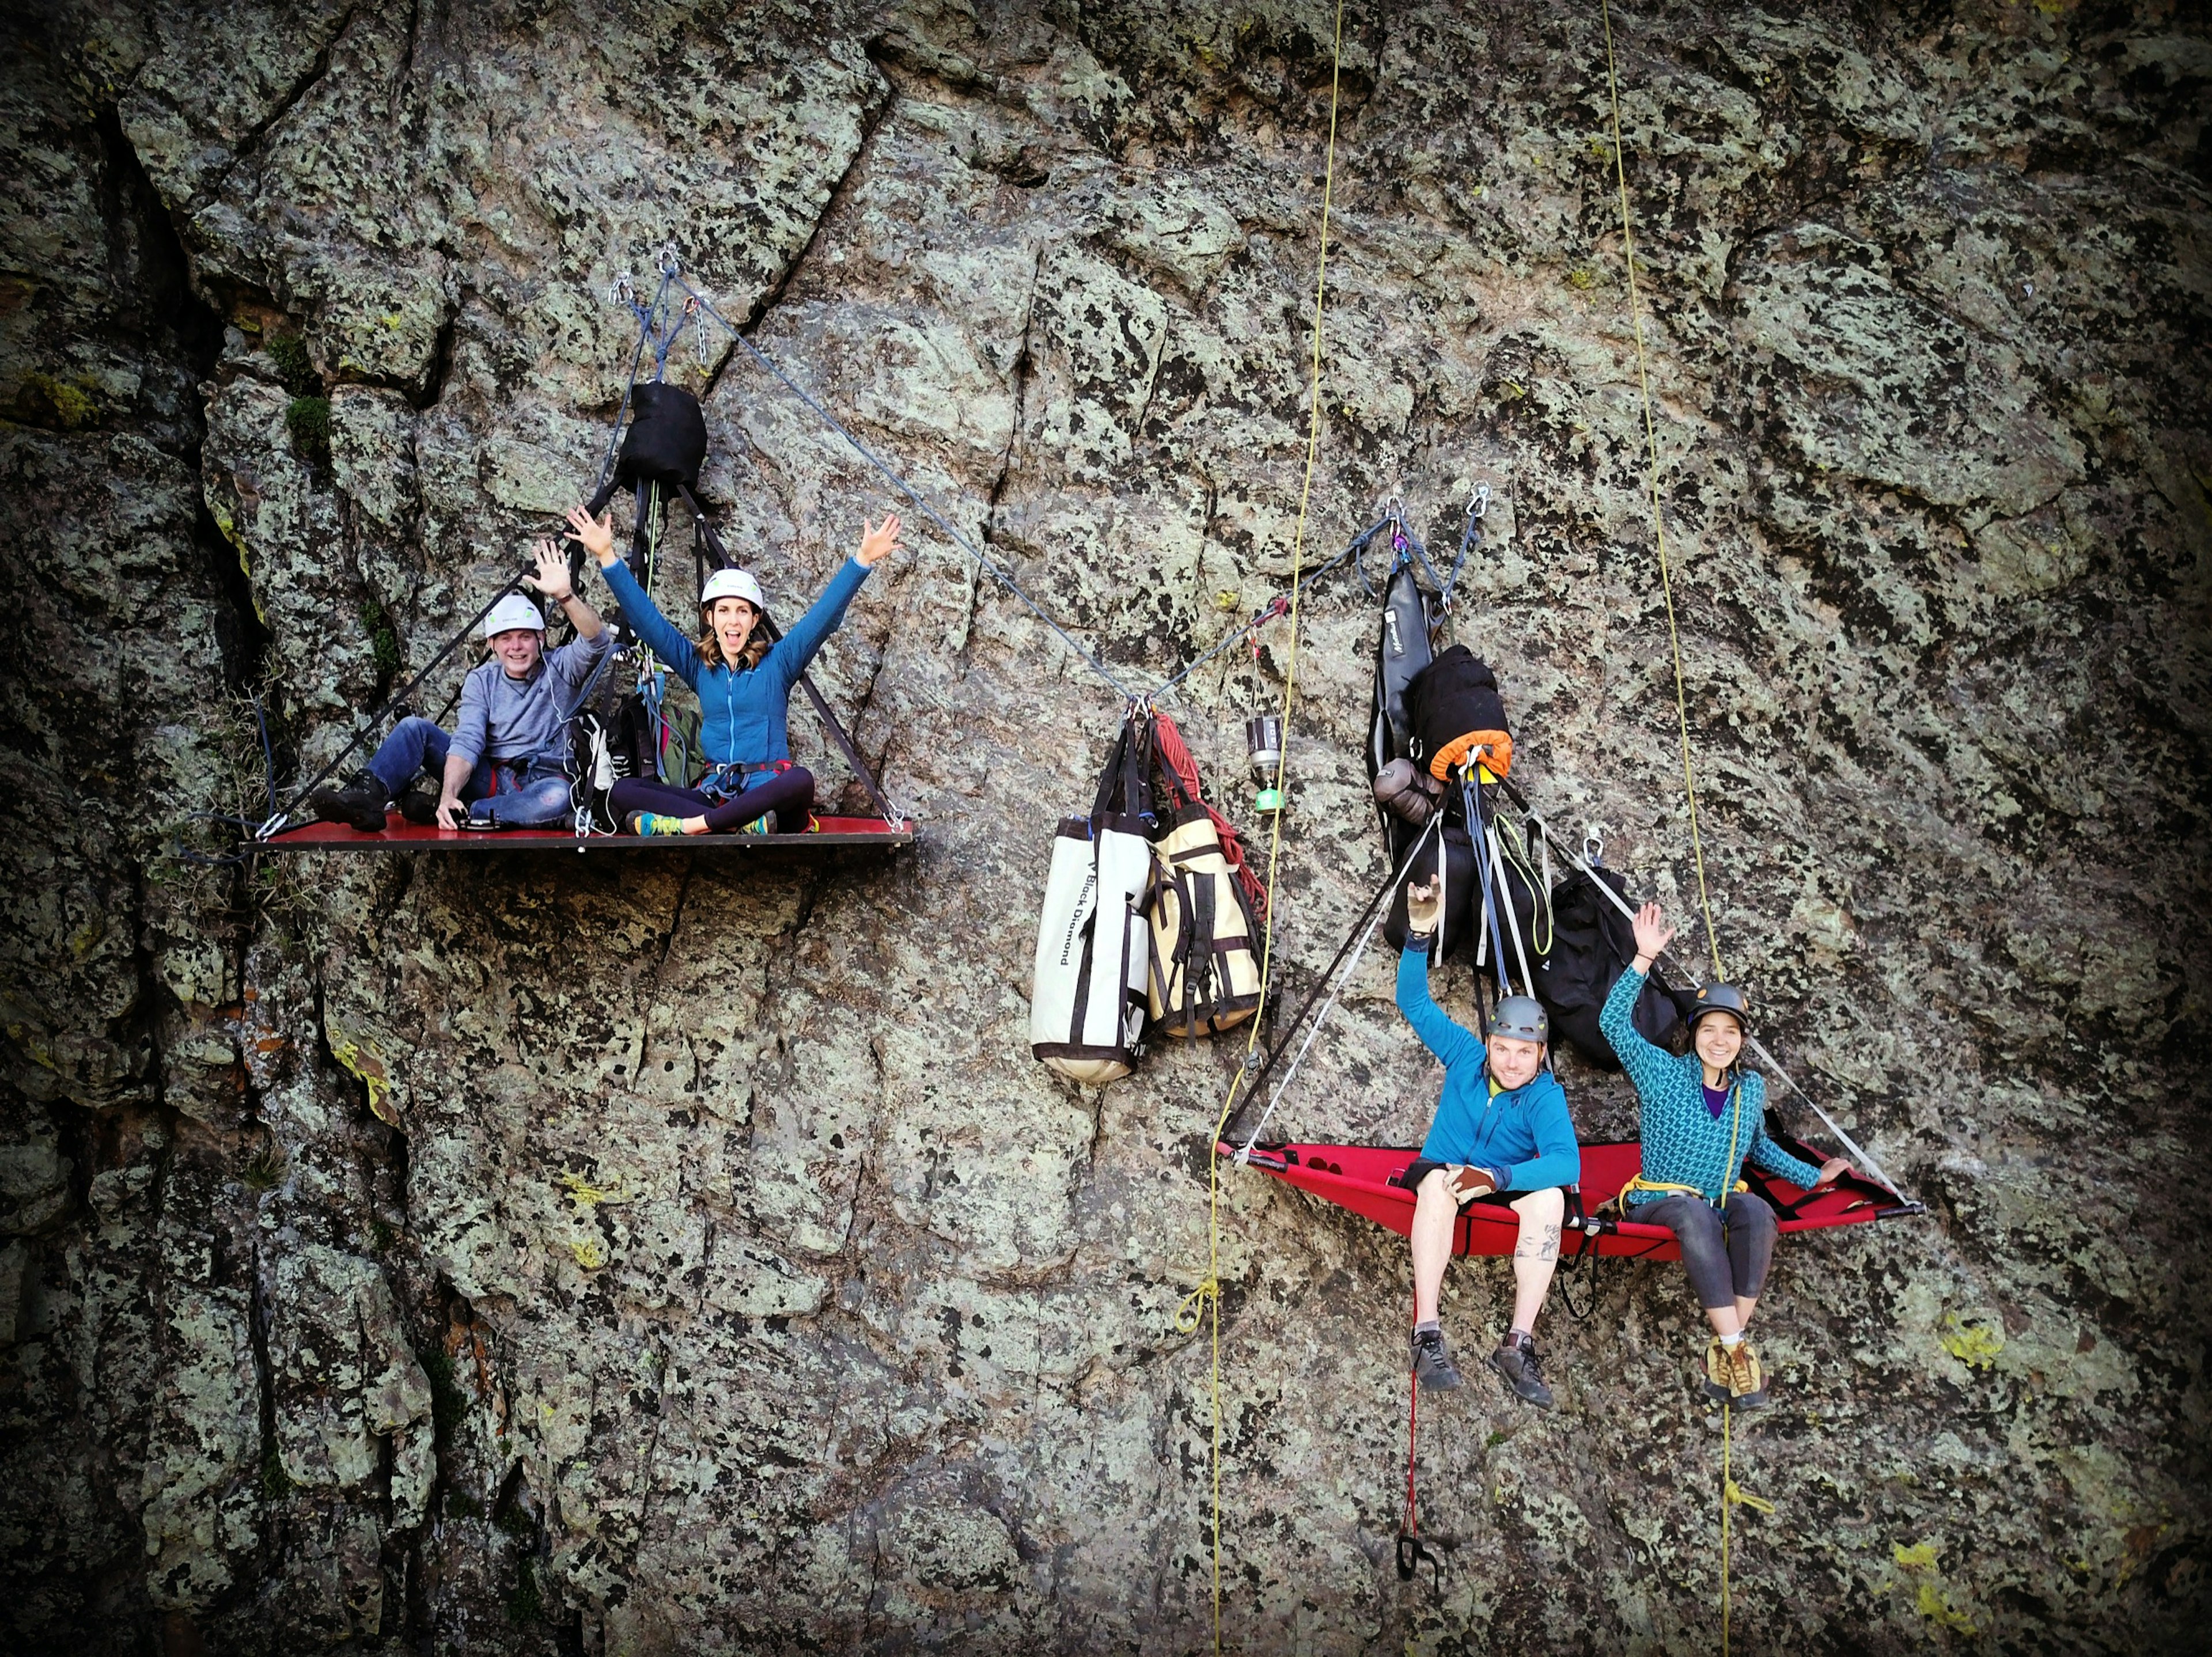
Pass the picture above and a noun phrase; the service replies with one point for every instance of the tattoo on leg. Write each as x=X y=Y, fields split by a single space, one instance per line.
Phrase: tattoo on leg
x=1544 y=1246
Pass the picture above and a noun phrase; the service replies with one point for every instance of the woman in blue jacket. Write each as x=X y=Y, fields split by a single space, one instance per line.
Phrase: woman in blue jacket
x=1501 y=1134
x=744 y=686
x=1700 y=1119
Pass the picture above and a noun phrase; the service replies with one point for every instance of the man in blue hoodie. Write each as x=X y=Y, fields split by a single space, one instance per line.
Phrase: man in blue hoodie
x=1501 y=1134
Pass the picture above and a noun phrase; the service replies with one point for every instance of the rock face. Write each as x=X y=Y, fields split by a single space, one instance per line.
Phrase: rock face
x=680 y=1252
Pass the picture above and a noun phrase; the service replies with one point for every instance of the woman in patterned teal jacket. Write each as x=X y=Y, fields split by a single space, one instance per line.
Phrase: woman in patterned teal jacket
x=1700 y=1119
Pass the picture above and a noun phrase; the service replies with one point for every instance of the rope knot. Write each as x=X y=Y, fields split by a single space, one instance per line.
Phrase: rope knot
x=1192 y=1312
x=1733 y=1492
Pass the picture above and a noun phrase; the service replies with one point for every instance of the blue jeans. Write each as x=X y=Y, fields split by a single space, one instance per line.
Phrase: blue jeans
x=529 y=795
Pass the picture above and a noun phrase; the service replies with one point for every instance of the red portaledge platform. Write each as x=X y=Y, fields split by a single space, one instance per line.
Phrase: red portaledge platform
x=401 y=835
x=1357 y=1177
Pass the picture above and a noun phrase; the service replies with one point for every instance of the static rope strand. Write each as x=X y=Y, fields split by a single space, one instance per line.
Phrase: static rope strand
x=1212 y=1289
x=1658 y=520
x=1733 y=1494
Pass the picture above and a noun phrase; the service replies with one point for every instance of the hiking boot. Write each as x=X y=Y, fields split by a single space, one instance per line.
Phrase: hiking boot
x=361 y=806
x=1432 y=1365
x=1715 y=1381
x=1515 y=1360
x=419 y=805
x=1746 y=1378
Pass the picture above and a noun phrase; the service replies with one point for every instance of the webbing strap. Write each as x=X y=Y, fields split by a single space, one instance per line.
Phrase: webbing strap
x=1765 y=1059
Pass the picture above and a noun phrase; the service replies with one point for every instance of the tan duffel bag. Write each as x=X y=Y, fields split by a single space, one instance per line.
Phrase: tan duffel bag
x=1204 y=973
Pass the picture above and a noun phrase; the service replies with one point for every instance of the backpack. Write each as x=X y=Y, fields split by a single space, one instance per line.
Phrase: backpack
x=608 y=736
x=1204 y=974
x=1093 y=968
x=1592 y=945
x=1457 y=936
x=1453 y=708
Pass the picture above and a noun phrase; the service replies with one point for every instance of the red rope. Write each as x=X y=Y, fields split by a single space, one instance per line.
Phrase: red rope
x=1176 y=755
x=1412 y=1433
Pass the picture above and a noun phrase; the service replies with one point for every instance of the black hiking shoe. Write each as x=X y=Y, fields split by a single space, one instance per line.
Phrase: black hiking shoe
x=419 y=805
x=361 y=806
x=1432 y=1365
x=1517 y=1361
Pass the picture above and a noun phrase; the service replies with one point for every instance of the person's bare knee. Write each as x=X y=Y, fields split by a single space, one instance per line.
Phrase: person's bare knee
x=1542 y=1213
x=1434 y=1191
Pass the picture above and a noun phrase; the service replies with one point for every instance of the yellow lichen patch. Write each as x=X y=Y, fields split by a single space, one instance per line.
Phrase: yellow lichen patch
x=1973 y=1342
x=1939 y=1610
x=591 y=1253
x=1921 y=1556
x=587 y=1196
x=358 y=1055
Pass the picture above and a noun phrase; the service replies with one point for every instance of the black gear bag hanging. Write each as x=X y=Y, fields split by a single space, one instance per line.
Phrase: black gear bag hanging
x=665 y=444
x=1592 y=944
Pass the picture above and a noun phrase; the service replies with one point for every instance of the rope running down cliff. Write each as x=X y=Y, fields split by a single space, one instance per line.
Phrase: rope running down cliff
x=1732 y=1495
x=1205 y=1301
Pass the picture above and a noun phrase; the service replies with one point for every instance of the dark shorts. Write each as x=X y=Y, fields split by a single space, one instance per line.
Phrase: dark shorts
x=1421 y=1168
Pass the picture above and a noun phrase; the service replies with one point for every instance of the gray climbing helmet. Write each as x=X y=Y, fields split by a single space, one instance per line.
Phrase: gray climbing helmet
x=1723 y=998
x=1524 y=1018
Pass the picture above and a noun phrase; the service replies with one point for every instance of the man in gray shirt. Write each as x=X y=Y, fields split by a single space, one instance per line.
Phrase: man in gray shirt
x=505 y=764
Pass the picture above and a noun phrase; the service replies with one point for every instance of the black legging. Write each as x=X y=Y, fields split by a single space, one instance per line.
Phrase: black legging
x=1725 y=1257
x=786 y=794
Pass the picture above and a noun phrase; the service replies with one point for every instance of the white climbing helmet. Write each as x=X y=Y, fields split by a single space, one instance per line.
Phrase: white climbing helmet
x=512 y=612
x=733 y=584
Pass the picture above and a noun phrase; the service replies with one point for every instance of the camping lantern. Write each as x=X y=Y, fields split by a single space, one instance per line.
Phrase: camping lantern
x=1263 y=736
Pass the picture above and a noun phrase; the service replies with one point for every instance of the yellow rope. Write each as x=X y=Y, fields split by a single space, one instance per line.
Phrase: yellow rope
x=1658 y=522
x=1205 y=1300
x=1732 y=1493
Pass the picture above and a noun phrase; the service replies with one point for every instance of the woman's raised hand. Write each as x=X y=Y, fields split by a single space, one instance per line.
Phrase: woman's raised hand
x=552 y=576
x=1653 y=934
x=877 y=541
x=597 y=535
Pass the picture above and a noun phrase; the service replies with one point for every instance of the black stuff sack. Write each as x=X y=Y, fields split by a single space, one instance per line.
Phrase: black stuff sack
x=1592 y=945
x=1401 y=651
x=1462 y=895
x=665 y=444
x=1453 y=707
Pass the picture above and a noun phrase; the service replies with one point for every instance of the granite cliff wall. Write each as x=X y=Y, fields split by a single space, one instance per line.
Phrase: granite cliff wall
x=650 y=1253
